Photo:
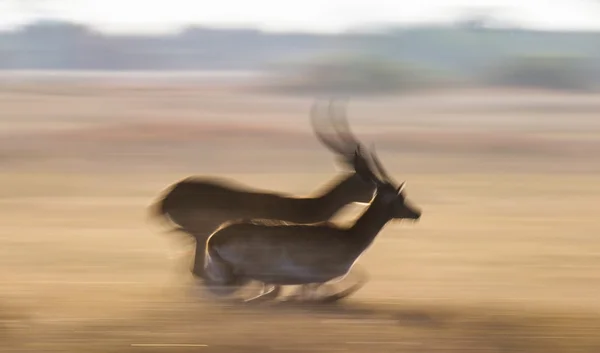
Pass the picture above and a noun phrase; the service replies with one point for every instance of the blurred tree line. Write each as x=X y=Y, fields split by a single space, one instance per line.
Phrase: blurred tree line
x=396 y=59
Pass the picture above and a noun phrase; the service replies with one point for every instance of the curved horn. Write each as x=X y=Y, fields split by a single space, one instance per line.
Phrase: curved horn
x=380 y=169
x=362 y=166
x=325 y=140
x=346 y=145
x=342 y=127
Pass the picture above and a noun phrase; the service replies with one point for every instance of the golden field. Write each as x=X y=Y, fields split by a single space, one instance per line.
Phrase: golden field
x=505 y=259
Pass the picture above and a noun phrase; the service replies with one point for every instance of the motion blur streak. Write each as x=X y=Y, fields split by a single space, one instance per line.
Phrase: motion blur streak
x=500 y=149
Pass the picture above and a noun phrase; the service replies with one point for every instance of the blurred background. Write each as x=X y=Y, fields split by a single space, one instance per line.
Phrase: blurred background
x=489 y=110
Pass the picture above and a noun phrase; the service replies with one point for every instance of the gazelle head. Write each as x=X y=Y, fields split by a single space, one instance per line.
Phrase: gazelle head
x=389 y=193
x=369 y=170
x=343 y=144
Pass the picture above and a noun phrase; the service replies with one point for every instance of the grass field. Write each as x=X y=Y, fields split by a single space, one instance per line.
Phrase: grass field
x=505 y=259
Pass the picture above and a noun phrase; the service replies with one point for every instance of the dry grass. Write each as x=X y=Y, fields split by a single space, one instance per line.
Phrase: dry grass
x=505 y=258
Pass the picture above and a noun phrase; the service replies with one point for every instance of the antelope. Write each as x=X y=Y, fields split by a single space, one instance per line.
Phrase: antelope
x=278 y=253
x=198 y=205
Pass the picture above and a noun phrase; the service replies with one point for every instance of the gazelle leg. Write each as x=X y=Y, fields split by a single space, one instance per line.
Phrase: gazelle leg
x=306 y=291
x=297 y=293
x=311 y=293
x=266 y=292
x=273 y=292
x=342 y=294
x=217 y=276
x=361 y=281
x=301 y=292
x=260 y=294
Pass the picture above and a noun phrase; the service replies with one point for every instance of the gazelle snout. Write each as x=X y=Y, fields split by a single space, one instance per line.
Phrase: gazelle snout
x=411 y=212
x=416 y=214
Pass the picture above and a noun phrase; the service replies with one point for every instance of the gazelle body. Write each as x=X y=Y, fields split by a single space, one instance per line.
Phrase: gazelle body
x=300 y=254
x=201 y=204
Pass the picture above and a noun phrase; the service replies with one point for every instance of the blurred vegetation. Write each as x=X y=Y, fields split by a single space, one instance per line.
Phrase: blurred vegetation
x=358 y=74
x=544 y=71
x=394 y=60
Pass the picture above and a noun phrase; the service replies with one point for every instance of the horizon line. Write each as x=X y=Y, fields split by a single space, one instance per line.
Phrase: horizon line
x=371 y=28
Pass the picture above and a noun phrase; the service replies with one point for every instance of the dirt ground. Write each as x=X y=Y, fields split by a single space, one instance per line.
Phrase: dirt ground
x=505 y=258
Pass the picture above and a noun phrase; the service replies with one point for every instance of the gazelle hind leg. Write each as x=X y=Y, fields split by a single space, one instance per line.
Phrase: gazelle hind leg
x=217 y=275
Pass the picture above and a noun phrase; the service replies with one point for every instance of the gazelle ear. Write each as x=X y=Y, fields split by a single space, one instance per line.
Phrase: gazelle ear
x=401 y=187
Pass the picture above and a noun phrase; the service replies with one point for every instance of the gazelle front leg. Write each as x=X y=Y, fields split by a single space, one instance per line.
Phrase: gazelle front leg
x=267 y=291
x=306 y=291
x=298 y=293
x=310 y=291
x=361 y=278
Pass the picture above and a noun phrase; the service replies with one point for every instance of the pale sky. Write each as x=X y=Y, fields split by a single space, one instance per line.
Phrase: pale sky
x=303 y=15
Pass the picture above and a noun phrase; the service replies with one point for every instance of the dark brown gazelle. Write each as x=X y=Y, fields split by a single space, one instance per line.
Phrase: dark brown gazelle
x=198 y=205
x=277 y=253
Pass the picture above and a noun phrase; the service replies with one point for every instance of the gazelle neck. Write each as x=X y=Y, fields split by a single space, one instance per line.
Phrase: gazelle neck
x=369 y=224
x=337 y=193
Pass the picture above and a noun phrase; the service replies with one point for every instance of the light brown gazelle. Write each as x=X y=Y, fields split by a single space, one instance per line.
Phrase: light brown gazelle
x=278 y=253
x=198 y=205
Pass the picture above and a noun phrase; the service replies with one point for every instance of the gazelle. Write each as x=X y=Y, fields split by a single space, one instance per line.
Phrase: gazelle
x=277 y=253
x=198 y=205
